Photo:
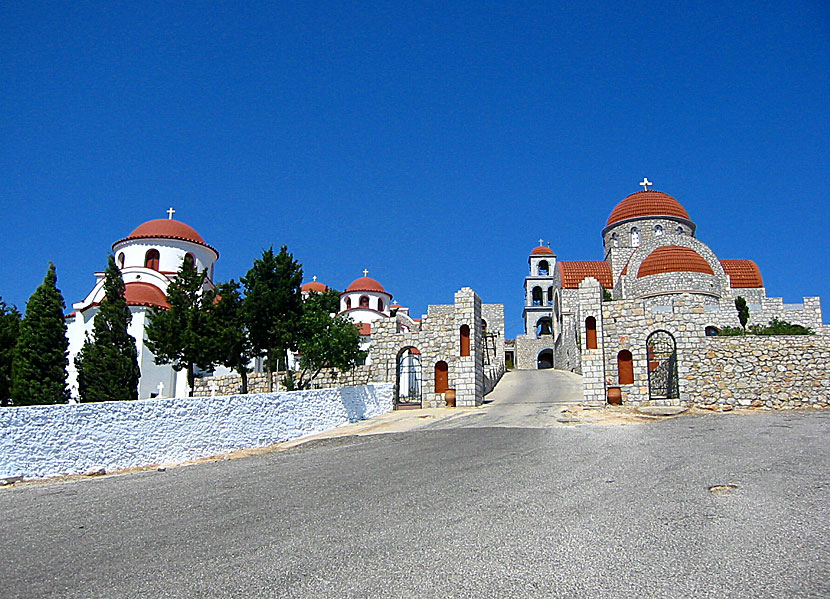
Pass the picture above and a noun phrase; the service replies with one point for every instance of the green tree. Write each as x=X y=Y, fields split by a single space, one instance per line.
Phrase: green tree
x=273 y=306
x=39 y=361
x=9 y=329
x=108 y=362
x=743 y=311
x=327 y=340
x=231 y=343
x=181 y=335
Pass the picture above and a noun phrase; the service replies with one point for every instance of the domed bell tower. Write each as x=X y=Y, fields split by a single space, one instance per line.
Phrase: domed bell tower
x=538 y=310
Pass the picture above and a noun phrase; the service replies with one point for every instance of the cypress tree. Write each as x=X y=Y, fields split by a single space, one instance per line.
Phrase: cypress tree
x=108 y=362
x=743 y=311
x=273 y=306
x=181 y=335
x=9 y=329
x=39 y=362
x=231 y=343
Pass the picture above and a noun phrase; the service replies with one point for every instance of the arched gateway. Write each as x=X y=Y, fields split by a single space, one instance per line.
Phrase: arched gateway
x=409 y=379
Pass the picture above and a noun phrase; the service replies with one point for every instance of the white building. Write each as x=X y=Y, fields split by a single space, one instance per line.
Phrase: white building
x=149 y=259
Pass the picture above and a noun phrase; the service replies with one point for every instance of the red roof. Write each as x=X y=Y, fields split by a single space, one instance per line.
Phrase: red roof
x=165 y=228
x=573 y=273
x=647 y=203
x=365 y=284
x=145 y=294
x=314 y=286
x=541 y=250
x=673 y=258
x=365 y=328
x=743 y=273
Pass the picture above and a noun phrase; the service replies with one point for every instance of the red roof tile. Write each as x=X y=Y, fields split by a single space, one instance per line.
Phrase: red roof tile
x=573 y=273
x=542 y=250
x=673 y=258
x=743 y=273
x=646 y=203
x=145 y=294
x=365 y=284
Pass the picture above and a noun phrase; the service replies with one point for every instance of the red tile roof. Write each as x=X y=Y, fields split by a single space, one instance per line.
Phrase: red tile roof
x=365 y=284
x=145 y=294
x=165 y=228
x=542 y=250
x=673 y=258
x=646 y=203
x=314 y=286
x=573 y=273
x=743 y=273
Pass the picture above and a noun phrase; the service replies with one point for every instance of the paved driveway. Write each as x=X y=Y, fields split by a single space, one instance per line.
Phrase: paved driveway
x=581 y=511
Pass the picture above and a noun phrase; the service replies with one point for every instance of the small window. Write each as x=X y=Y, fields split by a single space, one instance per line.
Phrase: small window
x=380 y=305
x=537 y=296
x=550 y=296
x=543 y=268
x=625 y=367
x=615 y=240
x=465 y=340
x=658 y=230
x=635 y=237
x=348 y=303
x=190 y=259
x=151 y=259
x=712 y=331
x=121 y=260
x=680 y=230
x=364 y=301
x=483 y=327
x=591 y=333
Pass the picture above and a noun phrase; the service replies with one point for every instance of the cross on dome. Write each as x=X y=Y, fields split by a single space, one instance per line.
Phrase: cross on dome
x=541 y=242
x=314 y=278
x=645 y=183
x=365 y=272
x=170 y=213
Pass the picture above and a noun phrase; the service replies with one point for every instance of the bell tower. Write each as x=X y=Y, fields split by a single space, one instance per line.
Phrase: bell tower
x=538 y=305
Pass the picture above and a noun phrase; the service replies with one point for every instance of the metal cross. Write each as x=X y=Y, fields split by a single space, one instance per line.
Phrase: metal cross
x=365 y=272
x=314 y=278
x=541 y=242
x=170 y=213
x=646 y=183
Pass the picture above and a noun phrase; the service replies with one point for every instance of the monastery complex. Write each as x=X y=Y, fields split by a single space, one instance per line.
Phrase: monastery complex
x=641 y=325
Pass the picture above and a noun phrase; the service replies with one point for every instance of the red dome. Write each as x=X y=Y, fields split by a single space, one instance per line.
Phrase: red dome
x=165 y=228
x=366 y=284
x=743 y=273
x=647 y=203
x=145 y=294
x=314 y=286
x=673 y=258
x=542 y=250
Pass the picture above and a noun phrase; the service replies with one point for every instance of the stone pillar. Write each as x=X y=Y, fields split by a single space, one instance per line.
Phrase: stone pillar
x=467 y=374
x=593 y=362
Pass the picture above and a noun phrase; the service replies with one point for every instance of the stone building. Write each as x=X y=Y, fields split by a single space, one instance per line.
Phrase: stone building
x=628 y=322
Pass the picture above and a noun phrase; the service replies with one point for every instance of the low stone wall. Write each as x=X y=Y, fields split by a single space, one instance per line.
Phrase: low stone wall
x=773 y=371
x=37 y=441
x=231 y=384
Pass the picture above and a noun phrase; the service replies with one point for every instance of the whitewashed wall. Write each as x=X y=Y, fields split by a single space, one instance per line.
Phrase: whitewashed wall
x=38 y=441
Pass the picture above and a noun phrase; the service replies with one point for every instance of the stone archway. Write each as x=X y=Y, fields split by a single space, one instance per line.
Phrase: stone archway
x=545 y=359
x=408 y=379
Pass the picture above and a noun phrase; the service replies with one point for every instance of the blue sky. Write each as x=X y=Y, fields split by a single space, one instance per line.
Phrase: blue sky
x=432 y=144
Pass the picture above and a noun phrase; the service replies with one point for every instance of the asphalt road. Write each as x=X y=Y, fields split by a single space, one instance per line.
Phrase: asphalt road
x=581 y=511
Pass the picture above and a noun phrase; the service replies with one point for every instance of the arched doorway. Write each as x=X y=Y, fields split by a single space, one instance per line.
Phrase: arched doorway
x=544 y=359
x=408 y=380
x=442 y=377
x=662 y=366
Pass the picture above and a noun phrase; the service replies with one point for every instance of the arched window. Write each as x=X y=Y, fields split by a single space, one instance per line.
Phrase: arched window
x=615 y=240
x=442 y=377
x=543 y=268
x=465 y=340
x=550 y=296
x=658 y=230
x=364 y=301
x=348 y=303
x=544 y=326
x=712 y=331
x=121 y=260
x=380 y=305
x=635 y=237
x=591 y=332
x=625 y=367
x=680 y=230
x=537 y=296
x=483 y=327
x=151 y=259
x=188 y=257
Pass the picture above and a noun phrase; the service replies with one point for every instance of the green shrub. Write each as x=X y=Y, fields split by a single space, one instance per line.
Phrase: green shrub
x=774 y=327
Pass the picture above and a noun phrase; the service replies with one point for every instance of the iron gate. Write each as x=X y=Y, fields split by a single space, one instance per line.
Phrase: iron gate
x=662 y=366
x=409 y=378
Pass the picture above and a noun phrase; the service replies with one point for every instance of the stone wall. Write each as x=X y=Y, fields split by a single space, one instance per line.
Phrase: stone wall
x=773 y=371
x=39 y=441
x=528 y=348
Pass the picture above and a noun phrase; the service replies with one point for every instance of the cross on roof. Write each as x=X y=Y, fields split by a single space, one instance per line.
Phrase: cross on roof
x=646 y=183
x=365 y=272
x=170 y=213
x=314 y=278
x=541 y=242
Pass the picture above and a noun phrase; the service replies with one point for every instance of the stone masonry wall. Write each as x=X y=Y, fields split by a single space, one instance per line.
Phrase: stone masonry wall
x=773 y=371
